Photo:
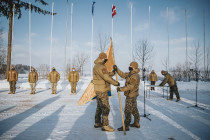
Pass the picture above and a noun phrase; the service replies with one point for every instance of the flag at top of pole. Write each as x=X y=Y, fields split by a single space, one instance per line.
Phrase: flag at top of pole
x=113 y=10
x=93 y=7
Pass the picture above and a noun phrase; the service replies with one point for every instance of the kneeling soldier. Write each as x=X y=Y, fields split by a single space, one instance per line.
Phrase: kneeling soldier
x=12 y=77
x=32 y=79
x=73 y=79
x=172 y=84
x=54 y=77
x=131 y=91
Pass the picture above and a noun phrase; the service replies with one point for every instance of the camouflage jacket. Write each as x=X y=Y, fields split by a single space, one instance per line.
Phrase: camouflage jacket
x=168 y=79
x=32 y=77
x=101 y=77
x=131 y=88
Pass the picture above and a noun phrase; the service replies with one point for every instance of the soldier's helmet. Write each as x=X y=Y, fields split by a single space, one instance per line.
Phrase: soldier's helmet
x=53 y=68
x=12 y=68
x=102 y=55
x=134 y=65
x=163 y=72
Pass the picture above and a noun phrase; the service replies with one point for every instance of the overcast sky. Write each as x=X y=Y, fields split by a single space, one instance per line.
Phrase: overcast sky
x=156 y=33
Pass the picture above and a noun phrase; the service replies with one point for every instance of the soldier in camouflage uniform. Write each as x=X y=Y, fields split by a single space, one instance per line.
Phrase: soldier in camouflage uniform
x=32 y=79
x=12 y=77
x=54 y=77
x=73 y=79
x=131 y=91
x=172 y=84
x=102 y=81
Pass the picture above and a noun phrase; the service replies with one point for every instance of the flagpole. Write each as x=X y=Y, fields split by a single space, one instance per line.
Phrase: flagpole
x=149 y=21
x=64 y=74
x=13 y=20
x=119 y=96
x=51 y=37
x=168 y=39
x=92 y=49
x=71 y=30
x=186 y=40
x=204 y=40
x=30 y=34
x=131 y=34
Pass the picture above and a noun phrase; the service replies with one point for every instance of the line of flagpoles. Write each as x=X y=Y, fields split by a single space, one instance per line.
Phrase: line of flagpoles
x=113 y=13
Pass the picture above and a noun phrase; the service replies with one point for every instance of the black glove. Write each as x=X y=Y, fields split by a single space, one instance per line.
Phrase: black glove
x=118 y=89
x=114 y=68
x=118 y=84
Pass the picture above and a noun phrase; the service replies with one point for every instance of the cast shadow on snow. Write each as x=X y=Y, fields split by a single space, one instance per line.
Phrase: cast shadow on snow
x=7 y=109
x=4 y=90
x=42 y=129
x=19 y=91
x=134 y=133
x=83 y=128
x=37 y=92
x=8 y=123
x=79 y=85
x=182 y=118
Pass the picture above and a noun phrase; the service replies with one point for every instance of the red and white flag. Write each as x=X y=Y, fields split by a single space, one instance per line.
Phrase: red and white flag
x=113 y=11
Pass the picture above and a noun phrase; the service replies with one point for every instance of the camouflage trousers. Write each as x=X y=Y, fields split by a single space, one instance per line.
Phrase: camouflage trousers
x=152 y=83
x=174 y=89
x=54 y=88
x=131 y=108
x=73 y=87
x=103 y=109
x=33 y=87
x=12 y=86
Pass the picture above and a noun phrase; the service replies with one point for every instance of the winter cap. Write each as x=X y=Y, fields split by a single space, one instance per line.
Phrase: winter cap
x=163 y=72
x=73 y=68
x=153 y=71
x=102 y=55
x=12 y=67
x=134 y=65
x=53 y=68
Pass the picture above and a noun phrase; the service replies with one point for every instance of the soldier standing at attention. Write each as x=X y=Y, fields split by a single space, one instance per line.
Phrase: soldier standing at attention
x=153 y=78
x=12 y=77
x=54 y=77
x=32 y=79
x=73 y=79
x=172 y=84
x=131 y=91
x=101 y=80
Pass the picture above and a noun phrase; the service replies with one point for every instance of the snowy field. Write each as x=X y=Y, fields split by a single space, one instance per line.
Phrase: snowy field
x=45 y=116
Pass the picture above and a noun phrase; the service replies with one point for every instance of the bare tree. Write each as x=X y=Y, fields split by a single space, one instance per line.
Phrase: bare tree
x=207 y=72
x=103 y=41
x=143 y=53
x=43 y=70
x=2 y=56
x=81 y=60
x=165 y=63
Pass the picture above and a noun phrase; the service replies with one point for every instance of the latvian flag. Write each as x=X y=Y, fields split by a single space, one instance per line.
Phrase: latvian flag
x=113 y=11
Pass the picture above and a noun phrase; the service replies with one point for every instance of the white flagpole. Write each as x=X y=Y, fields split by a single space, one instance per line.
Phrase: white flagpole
x=13 y=20
x=112 y=29
x=30 y=33
x=71 y=31
x=64 y=75
x=149 y=21
x=92 y=50
x=204 y=40
x=51 y=37
x=186 y=39
x=168 y=39
x=131 y=34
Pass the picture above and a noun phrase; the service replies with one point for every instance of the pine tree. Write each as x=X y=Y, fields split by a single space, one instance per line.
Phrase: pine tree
x=6 y=10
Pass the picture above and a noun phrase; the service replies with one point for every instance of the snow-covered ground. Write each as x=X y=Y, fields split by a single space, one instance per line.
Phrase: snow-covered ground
x=46 y=116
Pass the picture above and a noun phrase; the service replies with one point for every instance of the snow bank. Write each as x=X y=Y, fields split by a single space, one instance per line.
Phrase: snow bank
x=4 y=84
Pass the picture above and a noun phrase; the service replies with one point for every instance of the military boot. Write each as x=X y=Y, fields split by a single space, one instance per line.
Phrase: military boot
x=107 y=128
x=10 y=92
x=135 y=124
x=177 y=99
x=97 y=125
x=170 y=99
x=121 y=128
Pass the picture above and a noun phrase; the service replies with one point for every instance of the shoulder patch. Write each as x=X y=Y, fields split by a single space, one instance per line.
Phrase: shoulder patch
x=104 y=71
